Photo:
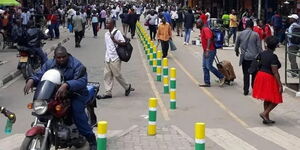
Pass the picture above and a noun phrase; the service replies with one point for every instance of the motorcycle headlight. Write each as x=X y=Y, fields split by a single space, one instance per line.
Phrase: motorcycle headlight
x=40 y=106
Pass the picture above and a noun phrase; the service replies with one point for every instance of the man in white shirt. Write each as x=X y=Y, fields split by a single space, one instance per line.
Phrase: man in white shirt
x=112 y=62
x=207 y=14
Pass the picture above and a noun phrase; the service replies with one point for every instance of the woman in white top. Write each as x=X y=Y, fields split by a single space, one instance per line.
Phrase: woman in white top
x=152 y=22
x=95 y=23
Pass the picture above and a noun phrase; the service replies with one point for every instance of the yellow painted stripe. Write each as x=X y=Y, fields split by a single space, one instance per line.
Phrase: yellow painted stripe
x=152 y=102
x=209 y=94
x=102 y=127
x=163 y=109
x=199 y=130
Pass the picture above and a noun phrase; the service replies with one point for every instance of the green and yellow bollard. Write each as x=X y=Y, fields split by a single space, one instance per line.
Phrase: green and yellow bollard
x=199 y=136
x=158 y=68
x=151 y=59
x=166 y=75
x=154 y=66
x=101 y=137
x=173 y=88
x=152 y=116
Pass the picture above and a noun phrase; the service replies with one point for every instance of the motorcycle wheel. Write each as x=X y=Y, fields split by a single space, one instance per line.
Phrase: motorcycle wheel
x=34 y=142
x=27 y=71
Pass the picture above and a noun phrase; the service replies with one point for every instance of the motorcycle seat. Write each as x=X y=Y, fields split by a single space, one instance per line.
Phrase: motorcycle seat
x=91 y=91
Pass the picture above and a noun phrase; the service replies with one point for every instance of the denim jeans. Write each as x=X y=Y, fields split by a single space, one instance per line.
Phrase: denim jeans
x=232 y=30
x=39 y=51
x=207 y=65
x=187 y=35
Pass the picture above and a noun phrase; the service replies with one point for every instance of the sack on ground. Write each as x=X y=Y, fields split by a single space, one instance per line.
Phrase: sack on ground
x=295 y=39
x=226 y=69
x=124 y=52
x=218 y=38
x=172 y=45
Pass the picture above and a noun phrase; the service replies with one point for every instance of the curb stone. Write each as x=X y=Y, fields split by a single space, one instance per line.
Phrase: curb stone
x=10 y=76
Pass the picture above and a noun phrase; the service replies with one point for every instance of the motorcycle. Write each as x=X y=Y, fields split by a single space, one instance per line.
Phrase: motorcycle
x=53 y=123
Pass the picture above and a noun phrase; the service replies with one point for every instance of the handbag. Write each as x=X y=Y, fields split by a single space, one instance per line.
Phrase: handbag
x=172 y=45
x=124 y=52
x=255 y=64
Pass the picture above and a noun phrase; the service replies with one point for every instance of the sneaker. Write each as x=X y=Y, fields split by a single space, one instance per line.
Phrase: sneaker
x=222 y=81
x=184 y=43
x=127 y=92
x=103 y=96
x=204 y=85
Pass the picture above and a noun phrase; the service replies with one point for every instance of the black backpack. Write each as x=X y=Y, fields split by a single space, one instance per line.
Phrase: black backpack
x=124 y=52
x=295 y=39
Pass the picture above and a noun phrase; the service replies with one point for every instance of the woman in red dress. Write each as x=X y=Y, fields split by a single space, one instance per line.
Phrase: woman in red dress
x=267 y=84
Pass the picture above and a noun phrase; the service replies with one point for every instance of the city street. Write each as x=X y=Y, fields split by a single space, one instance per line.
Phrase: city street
x=232 y=119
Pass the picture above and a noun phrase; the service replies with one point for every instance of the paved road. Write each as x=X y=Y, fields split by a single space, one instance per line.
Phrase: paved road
x=232 y=119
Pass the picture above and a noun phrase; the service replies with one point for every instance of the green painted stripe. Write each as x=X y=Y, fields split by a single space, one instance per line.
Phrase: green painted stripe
x=199 y=146
x=101 y=144
x=173 y=84
x=158 y=62
x=166 y=89
x=173 y=105
x=154 y=69
x=165 y=71
x=154 y=55
x=158 y=78
x=152 y=115
x=151 y=62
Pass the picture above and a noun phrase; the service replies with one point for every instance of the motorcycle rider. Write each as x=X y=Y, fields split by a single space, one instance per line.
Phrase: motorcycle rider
x=33 y=37
x=75 y=82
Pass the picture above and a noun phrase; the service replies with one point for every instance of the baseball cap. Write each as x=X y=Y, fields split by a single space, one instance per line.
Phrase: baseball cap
x=294 y=16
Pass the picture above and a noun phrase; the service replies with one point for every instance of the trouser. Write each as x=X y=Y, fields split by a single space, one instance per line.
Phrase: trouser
x=152 y=29
x=293 y=51
x=207 y=65
x=83 y=29
x=179 y=28
x=277 y=32
x=187 y=35
x=232 y=31
x=79 y=116
x=113 y=69
x=125 y=28
x=54 y=29
x=78 y=37
x=102 y=20
x=245 y=66
x=173 y=24
x=132 y=29
x=165 y=48
x=39 y=51
x=95 y=26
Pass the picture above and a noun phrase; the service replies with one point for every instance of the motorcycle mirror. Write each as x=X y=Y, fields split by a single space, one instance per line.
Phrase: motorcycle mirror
x=46 y=31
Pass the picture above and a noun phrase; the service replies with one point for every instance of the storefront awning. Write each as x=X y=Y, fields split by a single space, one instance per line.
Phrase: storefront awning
x=9 y=3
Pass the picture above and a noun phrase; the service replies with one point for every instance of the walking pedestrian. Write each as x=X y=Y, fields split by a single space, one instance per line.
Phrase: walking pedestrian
x=174 y=16
x=125 y=21
x=267 y=84
x=112 y=62
x=164 y=34
x=250 y=45
x=209 y=53
x=77 y=21
x=95 y=23
x=188 y=26
x=226 y=20
x=293 y=47
x=103 y=16
x=207 y=14
x=179 y=22
x=276 y=21
x=52 y=19
x=233 y=24
x=133 y=18
x=153 y=21
x=84 y=18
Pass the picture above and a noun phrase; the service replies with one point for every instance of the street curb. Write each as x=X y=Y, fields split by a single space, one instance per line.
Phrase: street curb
x=10 y=76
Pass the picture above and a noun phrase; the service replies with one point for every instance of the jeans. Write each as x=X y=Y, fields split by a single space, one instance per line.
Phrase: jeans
x=165 y=48
x=152 y=29
x=38 y=51
x=207 y=65
x=54 y=28
x=187 y=35
x=132 y=29
x=245 y=66
x=95 y=26
x=79 y=116
x=232 y=30
x=293 y=49
x=78 y=37
x=102 y=20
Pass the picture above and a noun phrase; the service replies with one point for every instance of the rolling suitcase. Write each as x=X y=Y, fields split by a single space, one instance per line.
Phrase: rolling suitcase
x=226 y=69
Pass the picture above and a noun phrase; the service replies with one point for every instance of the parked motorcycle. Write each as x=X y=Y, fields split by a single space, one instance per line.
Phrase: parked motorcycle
x=53 y=123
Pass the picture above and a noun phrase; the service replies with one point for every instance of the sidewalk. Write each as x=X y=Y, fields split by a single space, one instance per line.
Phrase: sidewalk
x=9 y=59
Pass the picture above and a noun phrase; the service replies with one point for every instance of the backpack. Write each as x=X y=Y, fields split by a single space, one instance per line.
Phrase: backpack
x=218 y=37
x=295 y=39
x=124 y=52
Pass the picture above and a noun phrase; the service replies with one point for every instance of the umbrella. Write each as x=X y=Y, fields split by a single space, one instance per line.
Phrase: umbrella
x=9 y=3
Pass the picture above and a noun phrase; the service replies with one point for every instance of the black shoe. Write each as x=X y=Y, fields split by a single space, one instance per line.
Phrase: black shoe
x=246 y=93
x=127 y=92
x=204 y=85
x=104 y=96
x=92 y=142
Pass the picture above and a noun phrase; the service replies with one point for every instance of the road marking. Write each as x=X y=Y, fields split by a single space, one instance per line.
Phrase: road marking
x=209 y=94
x=163 y=109
x=227 y=140
x=11 y=82
x=12 y=142
x=278 y=136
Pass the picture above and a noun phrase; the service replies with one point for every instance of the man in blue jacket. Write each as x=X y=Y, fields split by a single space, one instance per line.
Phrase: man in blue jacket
x=75 y=77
